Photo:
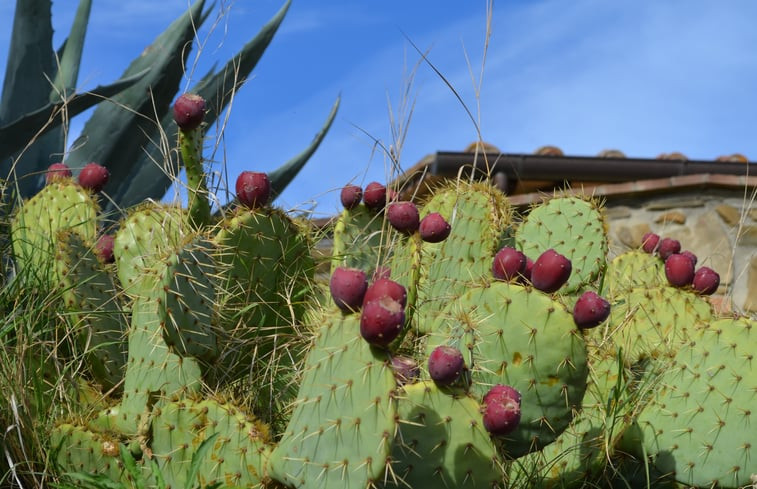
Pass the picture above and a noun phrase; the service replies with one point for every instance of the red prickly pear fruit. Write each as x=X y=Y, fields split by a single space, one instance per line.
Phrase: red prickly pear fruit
x=348 y=286
x=509 y=264
x=434 y=228
x=253 y=189
x=104 y=248
x=525 y=277
x=679 y=270
x=691 y=256
x=189 y=111
x=93 y=177
x=374 y=196
x=590 y=310
x=406 y=370
x=668 y=246
x=381 y=321
x=445 y=365
x=550 y=272
x=385 y=287
x=501 y=410
x=403 y=216
x=649 y=242
x=351 y=196
x=57 y=171
x=706 y=281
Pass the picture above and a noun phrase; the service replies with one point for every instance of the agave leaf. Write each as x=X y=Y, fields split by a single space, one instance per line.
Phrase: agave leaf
x=153 y=174
x=16 y=134
x=29 y=69
x=283 y=176
x=118 y=130
x=70 y=57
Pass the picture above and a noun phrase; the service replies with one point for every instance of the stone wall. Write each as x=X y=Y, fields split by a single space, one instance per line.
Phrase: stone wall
x=719 y=226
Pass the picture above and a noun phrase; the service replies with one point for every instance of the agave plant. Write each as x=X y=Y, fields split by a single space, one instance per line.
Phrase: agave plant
x=124 y=133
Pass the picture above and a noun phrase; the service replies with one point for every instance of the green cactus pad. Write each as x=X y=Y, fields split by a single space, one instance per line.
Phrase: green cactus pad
x=143 y=240
x=358 y=236
x=633 y=269
x=239 y=447
x=343 y=423
x=573 y=227
x=699 y=425
x=60 y=205
x=266 y=274
x=648 y=322
x=478 y=215
x=78 y=449
x=519 y=337
x=94 y=305
x=188 y=309
x=442 y=442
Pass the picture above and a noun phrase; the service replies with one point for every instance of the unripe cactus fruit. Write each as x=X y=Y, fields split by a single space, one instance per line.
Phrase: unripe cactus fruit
x=348 y=286
x=403 y=216
x=668 y=246
x=406 y=370
x=679 y=270
x=253 y=189
x=57 y=171
x=706 y=281
x=374 y=196
x=381 y=321
x=93 y=177
x=501 y=406
x=104 y=248
x=445 y=365
x=649 y=242
x=384 y=287
x=590 y=310
x=691 y=256
x=551 y=271
x=434 y=228
x=509 y=264
x=351 y=196
x=189 y=111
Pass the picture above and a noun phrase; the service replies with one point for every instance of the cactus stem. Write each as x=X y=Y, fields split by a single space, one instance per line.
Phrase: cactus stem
x=190 y=142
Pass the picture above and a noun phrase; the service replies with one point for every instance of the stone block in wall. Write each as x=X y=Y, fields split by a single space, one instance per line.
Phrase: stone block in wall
x=750 y=304
x=708 y=238
x=729 y=214
x=671 y=217
x=630 y=235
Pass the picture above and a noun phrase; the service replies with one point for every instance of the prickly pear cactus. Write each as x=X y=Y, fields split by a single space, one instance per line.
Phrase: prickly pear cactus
x=358 y=236
x=341 y=430
x=519 y=337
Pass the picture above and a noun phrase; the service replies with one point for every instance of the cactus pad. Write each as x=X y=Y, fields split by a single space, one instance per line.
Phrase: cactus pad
x=343 y=422
x=442 y=442
x=573 y=227
x=519 y=337
x=700 y=424
x=357 y=239
x=633 y=269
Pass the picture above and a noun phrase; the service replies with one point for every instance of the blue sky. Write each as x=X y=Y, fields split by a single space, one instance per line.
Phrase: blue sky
x=642 y=76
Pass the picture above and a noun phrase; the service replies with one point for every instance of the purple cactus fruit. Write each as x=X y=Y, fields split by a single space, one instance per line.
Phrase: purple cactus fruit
x=649 y=242
x=93 y=177
x=406 y=370
x=668 y=246
x=189 y=111
x=590 y=310
x=104 y=248
x=679 y=270
x=253 y=189
x=403 y=216
x=706 y=281
x=374 y=196
x=525 y=277
x=434 y=228
x=509 y=264
x=445 y=365
x=551 y=271
x=385 y=287
x=348 y=286
x=501 y=410
x=691 y=256
x=351 y=196
x=381 y=321
x=57 y=171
